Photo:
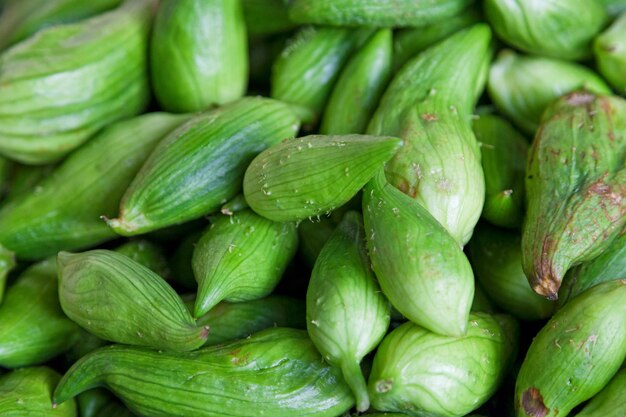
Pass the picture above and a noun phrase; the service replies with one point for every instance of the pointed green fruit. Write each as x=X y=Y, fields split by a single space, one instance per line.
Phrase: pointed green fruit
x=147 y=254
x=610 y=52
x=7 y=263
x=610 y=402
x=267 y=17
x=117 y=299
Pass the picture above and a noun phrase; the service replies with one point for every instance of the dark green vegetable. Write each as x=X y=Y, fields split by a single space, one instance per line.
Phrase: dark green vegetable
x=92 y=401
x=147 y=254
x=7 y=263
x=266 y=17
x=236 y=204
x=610 y=52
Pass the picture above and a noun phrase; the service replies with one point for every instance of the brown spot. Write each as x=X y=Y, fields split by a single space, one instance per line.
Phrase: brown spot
x=532 y=403
x=429 y=117
x=205 y=332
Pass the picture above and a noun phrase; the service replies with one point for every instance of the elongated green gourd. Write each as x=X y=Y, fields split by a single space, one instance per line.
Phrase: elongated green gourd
x=240 y=258
x=200 y=165
x=267 y=17
x=347 y=315
x=420 y=267
x=557 y=28
x=358 y=89
x=27 y=392
x=503 y=156
x=64 y=84
x=147 y=254
x=575 y=354
x=610 y=52
x=428 y=105
x=7 y=263
x=278 y=365
x=610 y=402
x=421 y=373
x=33 y=328
x=117 y=299
x=522 y=86
x=575 y=187
x=313 y=175
x=198 y=54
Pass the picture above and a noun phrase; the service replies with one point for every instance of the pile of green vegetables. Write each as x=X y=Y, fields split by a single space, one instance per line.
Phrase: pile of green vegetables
x=288 y=208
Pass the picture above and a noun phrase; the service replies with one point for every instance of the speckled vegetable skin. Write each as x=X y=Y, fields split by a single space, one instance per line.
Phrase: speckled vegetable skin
x=522 y=86
x=26 y=393
x=240 y=258
x=557 y=28
x=280 y=366
x=199 y=166
x=576 y=353
x=610 y=402
x=147 y=254
x=7 y=263
x=117 y=299
x=266 y=17
x=64 y=211
x=610 y=53
x=575 y=187
x=61 y=86
x=420 y=267
x=313 y=175
x=427 y=104
x=420 y=373
x=347 y=315
x=381 y=13
x=33 y=328
x=198 y=54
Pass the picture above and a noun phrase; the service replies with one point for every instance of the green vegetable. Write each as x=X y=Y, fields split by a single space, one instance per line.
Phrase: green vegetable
x=114 y=409
x=85 y=343
x=610 y=53
x=312 y=236
x=24 y=178
x=266 y=17
x=610 y=402
x=613 y=7
x=7 y=263
x=92 y=401
x=147 y=254
x=236 y=204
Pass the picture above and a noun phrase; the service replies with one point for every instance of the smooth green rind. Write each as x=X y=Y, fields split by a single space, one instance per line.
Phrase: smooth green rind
x=198 y=54
x=610 y=402
x=118 y=299
x=496 y=256
x=359 y=87
x=33 y=328
x=503 y=157
x=522 y=86
x=427 y=104
x=147 y=254
x=424 y=374
x=63 y=212
x=27 y=392
x=610 y=52
x=240 y=258
x=420 y=267
x=64 y=84
x=267 y=17
x=7 y=263
x=347 y=315
x=575 y=187
x=200 y=165
x=279 y=366
x=575 y=354
x=556 y=28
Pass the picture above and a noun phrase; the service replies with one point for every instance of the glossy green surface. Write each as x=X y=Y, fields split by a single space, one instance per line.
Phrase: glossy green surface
x=610 y=52
x=7 y=263
x=266 y=17
x=610 y=402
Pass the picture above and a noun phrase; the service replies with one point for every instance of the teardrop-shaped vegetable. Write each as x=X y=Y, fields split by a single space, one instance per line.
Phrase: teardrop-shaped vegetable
x=610 y=52
x=610 y=402
x=420 y=267
x=117 y=299
x=575 y=187
x=575 y=354
x=503 y=156
x=276 y=372
x=62 y=85
x=313 y=175
x=429 y=105
x=522 y=86
x=267 y=17
x=27 y=392
x=347 y=315
x=240 y=258
x=199 y=166
x=557 y=28
x=7 y=263
x=147 y=254
x=33 y=328
x=198 y=54
x=418 y=372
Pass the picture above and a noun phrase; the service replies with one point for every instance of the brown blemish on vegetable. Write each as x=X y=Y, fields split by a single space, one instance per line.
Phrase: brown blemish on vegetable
x=532 y=403
x=384 y=385
x=429 y=117
x=580 y=98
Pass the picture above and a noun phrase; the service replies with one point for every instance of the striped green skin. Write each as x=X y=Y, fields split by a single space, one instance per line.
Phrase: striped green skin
x=375 y=13
x=420 y=267
x=306 y=70
x=610 y=53
x=522 y=86
x=610 y=402
x=27 y=392
x=575 y=354
x=313 y=175
x=359 y=87
x=575 y=187
x=503 y=157
x=428 y=106
x=198 y=54
x=418 y=372
x=118 y=299
x=33 y=328
x=276 y=372
x=64 y=211
x=7 y=263
x=200 y=165
x=67 y=82
x=240 y=258
x=267 y=17
x=148 y=254
x=347 y=315
x=556 y=28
